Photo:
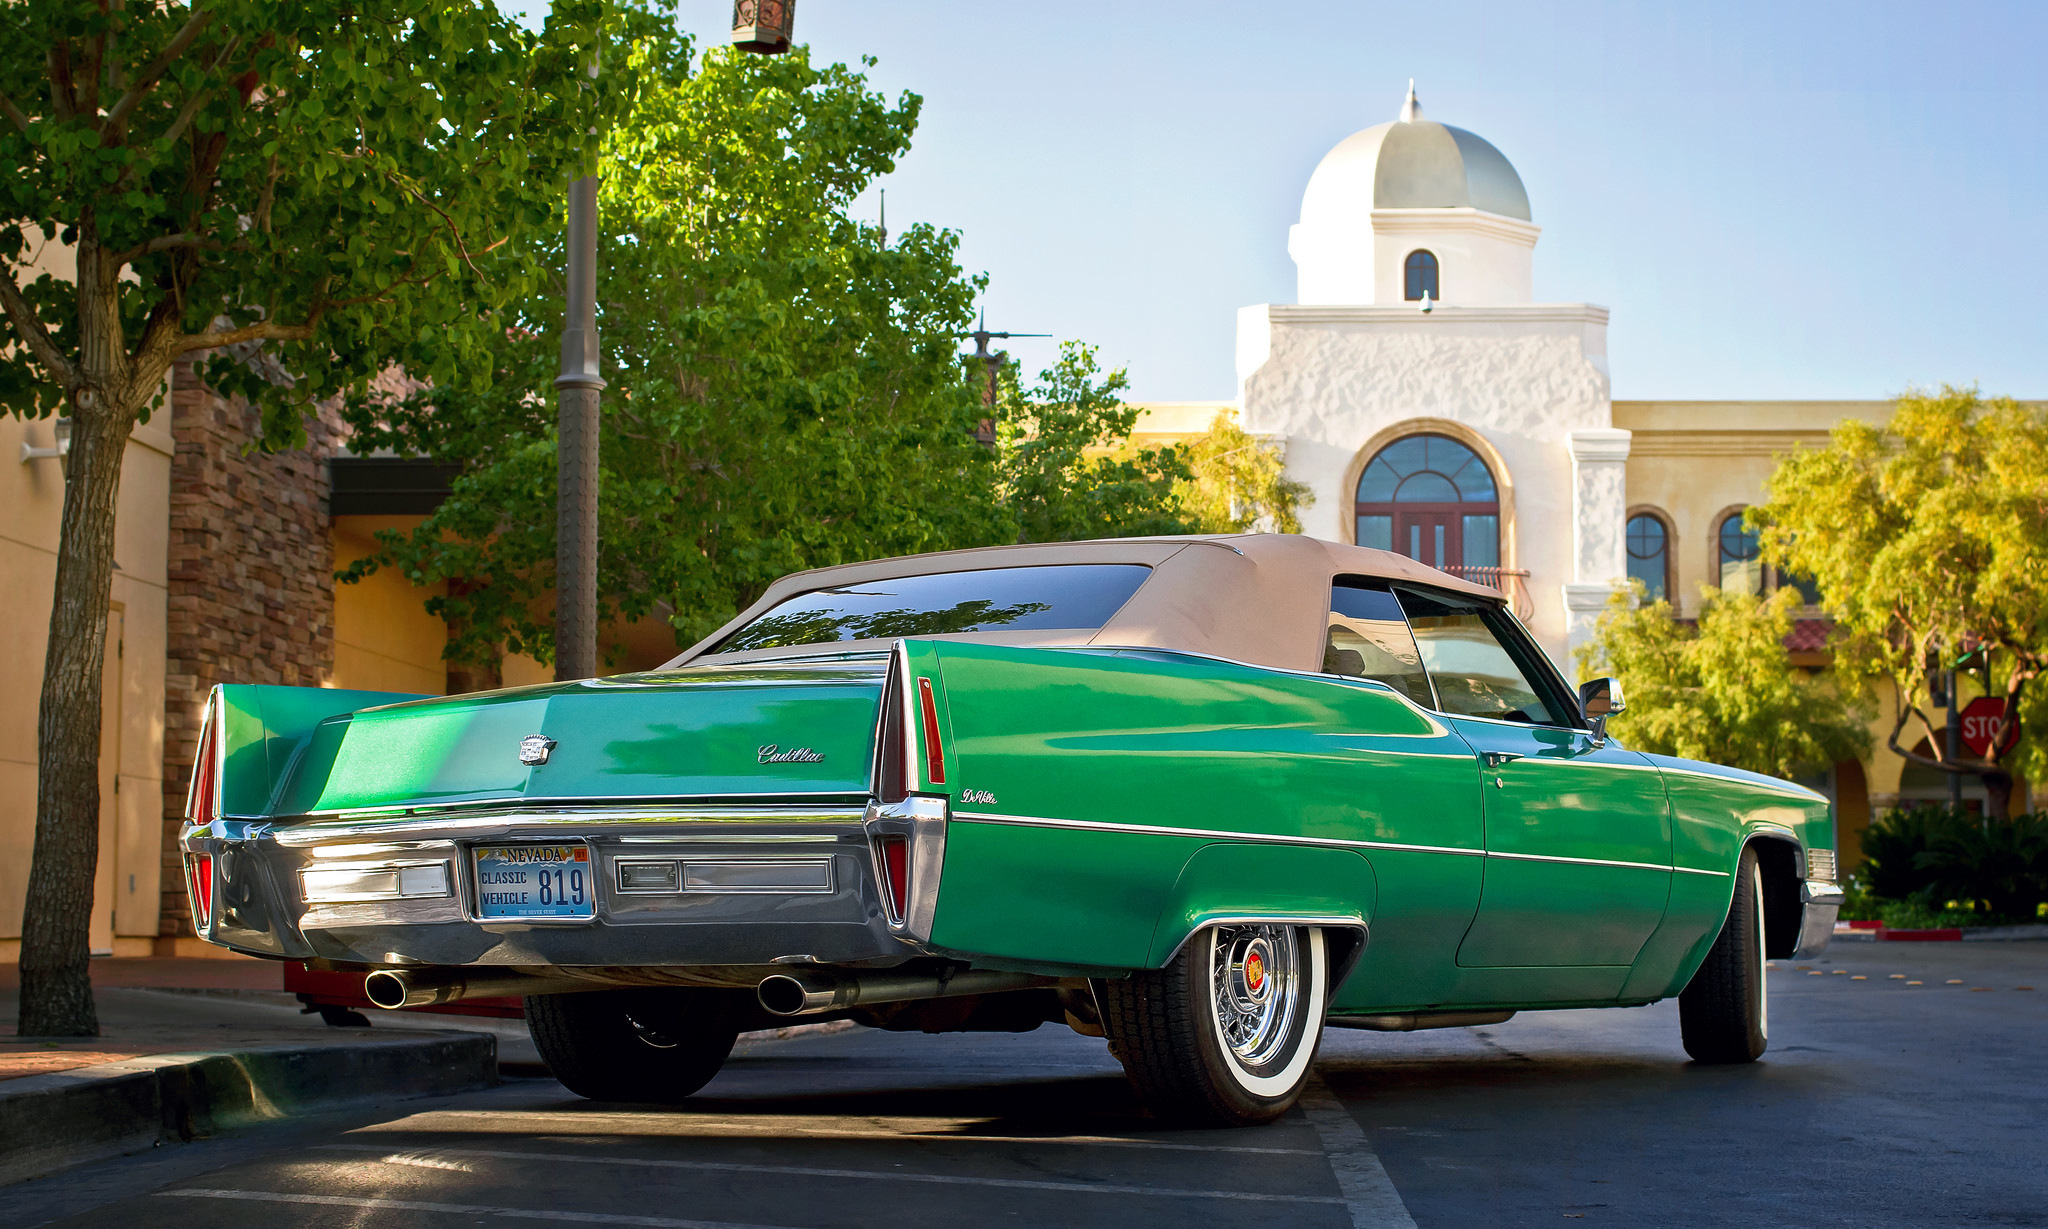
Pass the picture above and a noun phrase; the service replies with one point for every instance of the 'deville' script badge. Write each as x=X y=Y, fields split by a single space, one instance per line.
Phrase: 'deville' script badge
x=772 y=754
x=535 y=749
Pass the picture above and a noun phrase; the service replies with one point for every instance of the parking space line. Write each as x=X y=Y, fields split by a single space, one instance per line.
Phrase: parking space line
x=373 y=1203
x=809 y=1171
x=802 y=1132
x=1369 y=1195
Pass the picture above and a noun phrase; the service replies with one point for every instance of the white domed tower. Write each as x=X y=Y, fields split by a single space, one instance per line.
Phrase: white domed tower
x=1409 y=209
x=1429 y=404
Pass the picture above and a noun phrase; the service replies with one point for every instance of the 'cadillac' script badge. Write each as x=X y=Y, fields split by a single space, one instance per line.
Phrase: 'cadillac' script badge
x=534 y=749
x=771 y=754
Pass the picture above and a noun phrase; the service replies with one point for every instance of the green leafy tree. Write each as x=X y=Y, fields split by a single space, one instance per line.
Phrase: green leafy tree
x=1067 y=469
x=1723 y=691
x=1239 y=482
x=1928 y=538
x=345 y=188
x=783 y=391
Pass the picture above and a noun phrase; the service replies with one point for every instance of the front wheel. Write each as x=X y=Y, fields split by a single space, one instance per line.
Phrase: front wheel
x=1724 y=1013
x=654 y=1046
x=1224 y=1034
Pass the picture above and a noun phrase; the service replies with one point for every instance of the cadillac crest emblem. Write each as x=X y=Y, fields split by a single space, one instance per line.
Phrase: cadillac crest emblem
x=534 y=749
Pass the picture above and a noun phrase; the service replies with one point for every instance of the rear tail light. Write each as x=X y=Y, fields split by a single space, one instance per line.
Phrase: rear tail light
x=199 y=884
x=202 y=806
x=895 y=867
x=892 y=740
x=934 y=754
x=200 y=799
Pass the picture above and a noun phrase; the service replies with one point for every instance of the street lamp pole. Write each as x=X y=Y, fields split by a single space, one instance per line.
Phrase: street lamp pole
x=576 y=441
x=760 y=26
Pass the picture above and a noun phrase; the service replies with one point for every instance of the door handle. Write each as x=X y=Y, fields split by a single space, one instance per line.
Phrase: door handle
x=1494 y=759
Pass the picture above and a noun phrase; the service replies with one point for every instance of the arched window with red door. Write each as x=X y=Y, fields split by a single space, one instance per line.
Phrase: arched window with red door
x=1432 y=499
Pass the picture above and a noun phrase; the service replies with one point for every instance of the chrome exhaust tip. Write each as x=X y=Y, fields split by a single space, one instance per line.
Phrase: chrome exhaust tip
x=391 y=991
x=803 y=994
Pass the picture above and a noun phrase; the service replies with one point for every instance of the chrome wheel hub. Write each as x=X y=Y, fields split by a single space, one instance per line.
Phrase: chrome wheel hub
x=1255 y=982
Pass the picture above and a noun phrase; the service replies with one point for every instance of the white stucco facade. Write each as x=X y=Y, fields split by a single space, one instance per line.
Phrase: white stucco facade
x=1513 y=382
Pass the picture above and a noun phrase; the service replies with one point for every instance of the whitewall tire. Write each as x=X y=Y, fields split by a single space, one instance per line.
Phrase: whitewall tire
x=1225 y=1033
x=1724 y=1013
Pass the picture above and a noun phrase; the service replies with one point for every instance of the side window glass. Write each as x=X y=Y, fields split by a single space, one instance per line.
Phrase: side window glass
x=1474 y=673
x=1369 y=639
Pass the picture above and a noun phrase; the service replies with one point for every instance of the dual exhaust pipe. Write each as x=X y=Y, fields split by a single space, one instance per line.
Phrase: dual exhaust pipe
x=800 y=992
x=807 y=992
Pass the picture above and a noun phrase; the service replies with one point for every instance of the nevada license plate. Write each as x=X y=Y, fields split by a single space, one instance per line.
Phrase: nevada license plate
x=528 y=881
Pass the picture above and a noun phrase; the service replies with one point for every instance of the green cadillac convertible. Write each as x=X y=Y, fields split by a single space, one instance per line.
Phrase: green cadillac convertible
x=1199 y=796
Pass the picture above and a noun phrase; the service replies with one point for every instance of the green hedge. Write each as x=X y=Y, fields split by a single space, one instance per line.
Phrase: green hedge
x=1935 y=864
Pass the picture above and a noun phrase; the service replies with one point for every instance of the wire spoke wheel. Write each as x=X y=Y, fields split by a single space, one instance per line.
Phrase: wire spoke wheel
x=1224 y=1033
x=1255 y=980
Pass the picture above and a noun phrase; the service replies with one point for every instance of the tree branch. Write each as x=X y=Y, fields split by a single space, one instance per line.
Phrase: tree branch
x=454 y=231
x=261 y=331
x=162 y=243
x=32 y=333
x=181 y=42
x=261 y=218
x=185 y=114
x=13 y=113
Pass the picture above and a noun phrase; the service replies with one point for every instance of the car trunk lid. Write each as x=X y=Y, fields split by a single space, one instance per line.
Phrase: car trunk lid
x=782 y=729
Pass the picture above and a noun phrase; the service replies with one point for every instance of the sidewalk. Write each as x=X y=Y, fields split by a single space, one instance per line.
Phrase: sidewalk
x=189 y=1047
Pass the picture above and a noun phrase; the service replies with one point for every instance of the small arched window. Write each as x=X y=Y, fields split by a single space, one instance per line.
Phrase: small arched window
x=1649 y=555
x=1738 y=558
x=1421 y=276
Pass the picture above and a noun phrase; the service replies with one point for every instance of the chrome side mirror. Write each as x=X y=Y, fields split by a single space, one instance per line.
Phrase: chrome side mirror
x=1599 y=700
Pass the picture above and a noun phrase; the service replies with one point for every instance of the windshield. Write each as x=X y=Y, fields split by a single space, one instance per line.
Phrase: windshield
x=1079 y=596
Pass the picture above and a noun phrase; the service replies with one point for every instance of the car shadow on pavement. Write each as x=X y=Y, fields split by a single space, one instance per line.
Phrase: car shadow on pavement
x=1606 y=1081
x=1040 y=1107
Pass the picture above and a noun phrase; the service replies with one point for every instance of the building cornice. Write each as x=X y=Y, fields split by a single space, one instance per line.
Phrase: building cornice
x=1475 y=221
x=1438 y=316
x=1598 y=444
x=1731 y=442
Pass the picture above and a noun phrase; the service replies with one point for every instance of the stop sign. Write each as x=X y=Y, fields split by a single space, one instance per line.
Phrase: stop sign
x=1983 y=725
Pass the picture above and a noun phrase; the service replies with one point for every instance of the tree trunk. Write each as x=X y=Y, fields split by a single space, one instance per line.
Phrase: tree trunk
x=56 y=984
x=56 y=980
x=1998 y=794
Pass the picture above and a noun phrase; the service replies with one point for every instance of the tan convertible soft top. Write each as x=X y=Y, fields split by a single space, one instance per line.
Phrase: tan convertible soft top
x=1260 y=598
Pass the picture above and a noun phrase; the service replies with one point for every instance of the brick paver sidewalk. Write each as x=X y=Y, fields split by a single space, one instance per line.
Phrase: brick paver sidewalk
x=164 y=1005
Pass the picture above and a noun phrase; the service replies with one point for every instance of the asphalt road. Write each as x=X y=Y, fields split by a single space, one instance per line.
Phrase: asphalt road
x=1884 y=1100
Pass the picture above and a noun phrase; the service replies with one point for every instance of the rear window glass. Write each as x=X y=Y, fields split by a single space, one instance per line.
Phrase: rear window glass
x=1070 y=596
x=1369 y=639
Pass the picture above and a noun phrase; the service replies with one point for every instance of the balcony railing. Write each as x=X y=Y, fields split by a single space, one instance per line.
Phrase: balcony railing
x=1511 y=581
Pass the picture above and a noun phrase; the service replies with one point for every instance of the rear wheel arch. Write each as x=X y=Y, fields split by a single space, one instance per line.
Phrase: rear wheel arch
x=1334 y=889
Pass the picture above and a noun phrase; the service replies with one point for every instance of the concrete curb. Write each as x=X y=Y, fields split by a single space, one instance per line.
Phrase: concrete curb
x=1952 y=934
x=50 y=1122
x=2003 y=934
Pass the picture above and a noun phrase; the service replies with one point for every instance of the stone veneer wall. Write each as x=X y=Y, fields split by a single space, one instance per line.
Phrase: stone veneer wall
x=251 y=581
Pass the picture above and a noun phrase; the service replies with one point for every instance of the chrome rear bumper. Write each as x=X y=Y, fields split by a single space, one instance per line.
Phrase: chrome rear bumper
x=680 y=885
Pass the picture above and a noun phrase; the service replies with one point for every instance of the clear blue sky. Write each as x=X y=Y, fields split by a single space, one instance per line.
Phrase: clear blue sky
x=1811 y=200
